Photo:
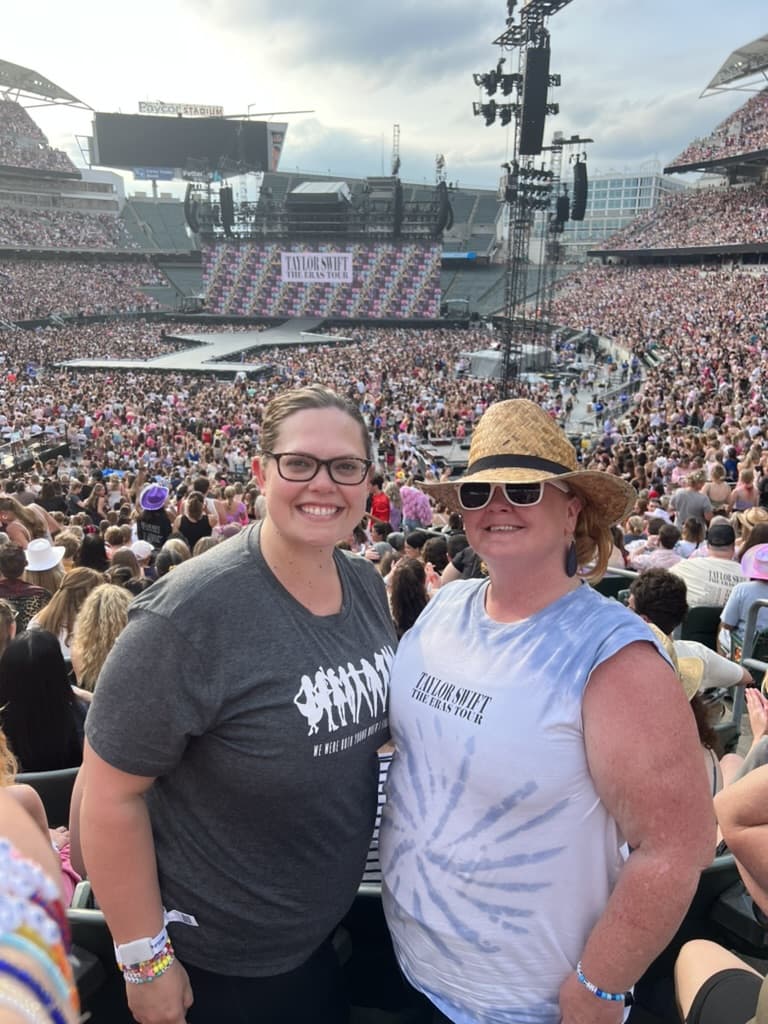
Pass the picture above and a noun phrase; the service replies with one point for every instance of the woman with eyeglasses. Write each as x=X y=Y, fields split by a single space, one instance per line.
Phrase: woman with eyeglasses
x=520 y=771
x=231 y=769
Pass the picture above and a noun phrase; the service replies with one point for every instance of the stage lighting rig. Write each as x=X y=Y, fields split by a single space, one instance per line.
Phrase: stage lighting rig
x=491 y=80
x=510 y=82
x=486 y=110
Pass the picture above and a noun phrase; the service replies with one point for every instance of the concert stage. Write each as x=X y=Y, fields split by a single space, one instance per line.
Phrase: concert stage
x=207 y=353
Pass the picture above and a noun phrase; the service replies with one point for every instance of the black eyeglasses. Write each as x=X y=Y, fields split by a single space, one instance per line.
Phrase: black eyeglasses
x=300 y=468
x=473 y=496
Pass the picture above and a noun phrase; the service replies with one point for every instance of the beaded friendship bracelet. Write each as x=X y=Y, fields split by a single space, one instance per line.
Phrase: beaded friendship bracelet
x=26 y=947
x=140 y=974
x=43 y=996
x=29 y=1010
x=613 y=997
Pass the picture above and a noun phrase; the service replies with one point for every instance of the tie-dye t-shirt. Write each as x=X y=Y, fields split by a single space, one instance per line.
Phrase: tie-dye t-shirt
x=496 y=852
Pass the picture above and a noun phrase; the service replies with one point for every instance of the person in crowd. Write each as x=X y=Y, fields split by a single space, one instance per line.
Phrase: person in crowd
x=692 y=537
x=144 y=551
x=392 y=491
x=745 y=494
x=663 y=556
x=635 y=530
x=231 y=510
x=380 y=504
x=193 y=523
x=435 y=553
x=204 y=544
x=690 y=501
x=38 y=980
x=527 y=698
x=659 y=598
x=41 y=716
x=93 y=553
x=44 y=567
x=58 y=616
x=757 y=535
x=278 y=722
x=754 y=568
x=96 y=504
x=415 y=541
x=154 y=522
x=709 y=579
x=717 y=489
x=21 y=524
x=126 y=559
x=100 y=621
x=26 y=598
x=70 y=540
x=745 y=522
x=712 y=984
x=408 y=595
x=416 y=508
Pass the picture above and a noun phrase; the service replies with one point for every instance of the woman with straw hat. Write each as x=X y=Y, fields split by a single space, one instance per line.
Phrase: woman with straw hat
x=514 y=702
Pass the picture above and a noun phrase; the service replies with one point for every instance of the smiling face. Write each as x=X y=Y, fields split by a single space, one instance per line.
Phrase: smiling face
x=532 y=539
x=318 y=512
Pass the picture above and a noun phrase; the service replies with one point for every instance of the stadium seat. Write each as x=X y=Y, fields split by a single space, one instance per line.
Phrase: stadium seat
x=55 y=790
x=701 y=624
x=611 y=586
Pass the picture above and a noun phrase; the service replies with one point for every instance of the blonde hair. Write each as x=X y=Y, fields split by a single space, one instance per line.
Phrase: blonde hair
x=70 y=541
x=179 y=546
x=61 y=611
x=100 y=622
x=204 y=544
x=48 y=579
x=8 y=764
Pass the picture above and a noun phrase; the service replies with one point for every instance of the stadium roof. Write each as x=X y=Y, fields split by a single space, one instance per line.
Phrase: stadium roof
x=748 y=60
x=32 y=85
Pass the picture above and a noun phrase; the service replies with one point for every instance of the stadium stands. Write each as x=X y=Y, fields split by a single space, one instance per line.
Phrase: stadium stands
x=744 y=131
x=158 y=224
x=22 y=143
x=700 y=217
x=33 y=288
x=62 y=229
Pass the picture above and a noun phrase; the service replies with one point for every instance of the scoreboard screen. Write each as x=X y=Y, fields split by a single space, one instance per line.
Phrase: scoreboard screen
x=127 y=141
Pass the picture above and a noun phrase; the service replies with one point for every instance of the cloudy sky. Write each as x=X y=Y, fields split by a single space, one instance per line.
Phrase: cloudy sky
x=632 y=72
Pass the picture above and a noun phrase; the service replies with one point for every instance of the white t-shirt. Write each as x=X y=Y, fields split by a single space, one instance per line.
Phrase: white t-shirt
x=718 y=671
x=708 y=581
x=497 y=854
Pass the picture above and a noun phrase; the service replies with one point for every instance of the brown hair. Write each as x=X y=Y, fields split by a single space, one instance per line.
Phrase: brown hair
x=287 y=403
x=594 y=543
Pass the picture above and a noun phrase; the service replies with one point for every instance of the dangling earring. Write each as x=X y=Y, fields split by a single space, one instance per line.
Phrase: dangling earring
x=571 y=560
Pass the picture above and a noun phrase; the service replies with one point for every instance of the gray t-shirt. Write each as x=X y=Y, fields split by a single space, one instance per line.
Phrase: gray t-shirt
x=260 y=722
x=689 y=503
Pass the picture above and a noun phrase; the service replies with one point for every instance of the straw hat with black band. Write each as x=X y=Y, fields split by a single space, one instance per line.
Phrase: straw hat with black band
x=517 y=442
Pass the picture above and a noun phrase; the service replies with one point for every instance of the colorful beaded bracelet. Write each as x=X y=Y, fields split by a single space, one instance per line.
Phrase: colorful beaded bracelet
x=30 y=1011
x=140 y=974
x=613 y=997
x=63 y=985
x=42 y=995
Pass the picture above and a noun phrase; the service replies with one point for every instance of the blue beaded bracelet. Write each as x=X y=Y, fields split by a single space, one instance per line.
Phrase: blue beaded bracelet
x=34 y=986
x=613 y=997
